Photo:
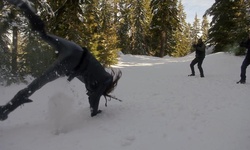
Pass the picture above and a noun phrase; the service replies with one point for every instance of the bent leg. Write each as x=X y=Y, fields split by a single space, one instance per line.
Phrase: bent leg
x=244 y=65
x=192 y=66
x=22 y=97
x=200 y=67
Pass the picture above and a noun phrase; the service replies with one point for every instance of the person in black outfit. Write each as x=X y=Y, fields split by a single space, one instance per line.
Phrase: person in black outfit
x=199 y=57
x=246 y=61
x=73 y=61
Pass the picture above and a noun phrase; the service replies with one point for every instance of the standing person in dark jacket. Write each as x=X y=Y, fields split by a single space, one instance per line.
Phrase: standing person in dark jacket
x=199 y=57
x=246 y=61
x=73 y=61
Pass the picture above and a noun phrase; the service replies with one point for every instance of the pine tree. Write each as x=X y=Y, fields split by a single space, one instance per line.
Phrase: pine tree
x=106 y=43
x=163 y=25
x=4 y=26
x=138 y=43
x=10 y=27
x=67 y=21
x=204 y=28
x=5 y=52
x=229 y=24
x=148 y=34
x=124 y=25
x=196 y=28
x=87 y=23
x=182 y=34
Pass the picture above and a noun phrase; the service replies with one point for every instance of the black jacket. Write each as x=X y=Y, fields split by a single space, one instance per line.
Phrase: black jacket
x=93 y=72
x=200 y=50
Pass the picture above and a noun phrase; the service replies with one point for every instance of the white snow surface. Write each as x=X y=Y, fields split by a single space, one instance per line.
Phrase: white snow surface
x=162 y=108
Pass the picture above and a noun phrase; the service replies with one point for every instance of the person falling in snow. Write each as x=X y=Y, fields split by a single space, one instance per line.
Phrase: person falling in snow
x=73 y=61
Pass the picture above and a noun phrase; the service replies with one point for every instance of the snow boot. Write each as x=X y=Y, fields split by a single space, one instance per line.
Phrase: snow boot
x=11 y=106
x=241 y=82
x=3 y=113
x=36 y=23
x=94 y=113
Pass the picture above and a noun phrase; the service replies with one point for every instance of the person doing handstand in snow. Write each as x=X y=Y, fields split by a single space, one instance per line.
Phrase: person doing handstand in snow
x=73 y=61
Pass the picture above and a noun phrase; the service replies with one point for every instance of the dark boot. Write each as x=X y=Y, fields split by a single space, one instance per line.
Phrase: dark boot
x=36 y=23
x=3 y=113
x=11 y=106
x=242 y=79
x=241 y=82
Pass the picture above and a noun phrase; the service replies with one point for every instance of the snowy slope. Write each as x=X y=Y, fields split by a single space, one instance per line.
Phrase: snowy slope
x=162 y=108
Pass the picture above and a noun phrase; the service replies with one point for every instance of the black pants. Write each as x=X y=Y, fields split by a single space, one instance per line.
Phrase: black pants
x=244 y=65
x=198 y=60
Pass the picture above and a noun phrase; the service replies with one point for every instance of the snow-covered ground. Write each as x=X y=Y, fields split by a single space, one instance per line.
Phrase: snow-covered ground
x=162 y=108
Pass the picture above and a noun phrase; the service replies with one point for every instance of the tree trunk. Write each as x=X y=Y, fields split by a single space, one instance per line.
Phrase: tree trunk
x=14 y=50
x=163 y=44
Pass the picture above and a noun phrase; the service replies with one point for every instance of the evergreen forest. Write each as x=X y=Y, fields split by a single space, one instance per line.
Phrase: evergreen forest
x=107 y=27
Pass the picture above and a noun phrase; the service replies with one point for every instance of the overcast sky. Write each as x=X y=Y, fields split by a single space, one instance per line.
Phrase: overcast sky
x=192 y=7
